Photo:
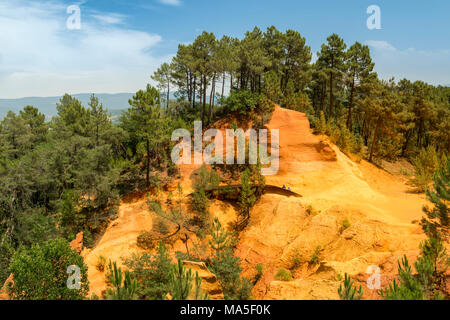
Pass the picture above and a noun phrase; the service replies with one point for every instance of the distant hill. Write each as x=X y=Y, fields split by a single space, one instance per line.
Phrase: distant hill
x=115 y=103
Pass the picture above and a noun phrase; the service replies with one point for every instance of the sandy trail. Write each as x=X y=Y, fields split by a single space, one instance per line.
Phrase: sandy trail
x=326 y=183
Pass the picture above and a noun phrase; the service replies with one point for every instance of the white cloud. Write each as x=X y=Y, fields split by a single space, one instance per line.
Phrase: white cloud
x=39 y=56
x=171 y=2
x=380 y=45
x=112 y=18
x=431 y=66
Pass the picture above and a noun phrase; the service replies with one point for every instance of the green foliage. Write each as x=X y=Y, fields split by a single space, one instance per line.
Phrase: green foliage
x=148 y=128
x=204 y=180
x=221 y=239
x=426 y=283
x=315 y=257
x=259 y=272
x=283 y=275
x=348 y=291
x=345 y=224
x=311 y=211
x=248 y=194
x=226 y=266
x=437 y=221
x=123 y=287
x=40 y=272
x=70 y=172
x=182 y=283
x=242 y=101
x=425 y=164
x=296 y=260
x=101 y=264
x=320 y=126
x=152 y=273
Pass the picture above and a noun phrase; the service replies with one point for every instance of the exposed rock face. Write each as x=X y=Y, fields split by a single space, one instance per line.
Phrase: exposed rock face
x=210 y=285
x=281 y=228
x=77 y=243
x=4 y=290
x=355 y=213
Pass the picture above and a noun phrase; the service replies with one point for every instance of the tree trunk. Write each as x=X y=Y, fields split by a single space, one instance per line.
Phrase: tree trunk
x=213 y=87
x=188 y=86
x=322 y=98
x=231 y=82
x=168 y=95
x=193 y=95
x=148 y=164
x=330 y=108
x=223 y=84
x=350 y=105
x=204 y=99
x=372 y=147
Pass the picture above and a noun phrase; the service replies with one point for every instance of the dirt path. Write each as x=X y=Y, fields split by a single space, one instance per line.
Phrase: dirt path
x=306 y=168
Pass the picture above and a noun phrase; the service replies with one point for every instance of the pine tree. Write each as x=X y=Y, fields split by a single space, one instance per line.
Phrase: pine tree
x=359 y=65
x=348 y=291
x=426 y=284
x=226 y=266
x=152 y=273
x=148 y=126
x=432 y=265
x=124 y=288
x=331 y=59
x=437 y=221
x=182 y=282
x=247 y=197
x=163 y=76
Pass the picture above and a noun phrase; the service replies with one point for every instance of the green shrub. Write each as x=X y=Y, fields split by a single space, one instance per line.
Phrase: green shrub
x=242 y=101
x=259 y=272
x=283 y=275
x=296 y=260
x=161 y=226
x=311 y=211
x=146 y=240
x=101 y=263
x=315 y=257
x=345 y=225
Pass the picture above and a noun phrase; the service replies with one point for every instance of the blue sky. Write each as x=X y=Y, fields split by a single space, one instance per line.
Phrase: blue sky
x=121 y=42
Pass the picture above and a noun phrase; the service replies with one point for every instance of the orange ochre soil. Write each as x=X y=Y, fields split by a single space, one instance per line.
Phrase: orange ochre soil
x=357 y=214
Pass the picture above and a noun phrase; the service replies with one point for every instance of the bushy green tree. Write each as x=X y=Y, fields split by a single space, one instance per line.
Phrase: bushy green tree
x=226 y=266
x=425 y=164
x=148 y=128
x=40 y=272
x=152 y=273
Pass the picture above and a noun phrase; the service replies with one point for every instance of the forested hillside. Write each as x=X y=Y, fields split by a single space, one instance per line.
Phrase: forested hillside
x=67 y=175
